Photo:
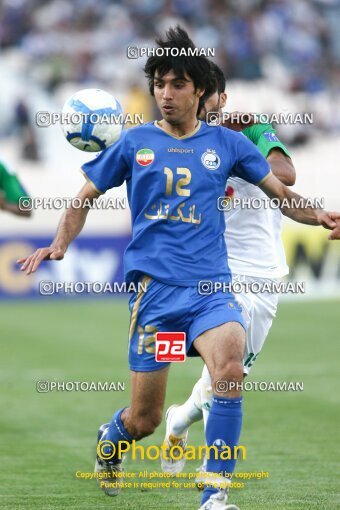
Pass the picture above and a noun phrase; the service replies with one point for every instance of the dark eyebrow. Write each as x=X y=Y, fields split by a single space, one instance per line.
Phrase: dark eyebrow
x=174 y=80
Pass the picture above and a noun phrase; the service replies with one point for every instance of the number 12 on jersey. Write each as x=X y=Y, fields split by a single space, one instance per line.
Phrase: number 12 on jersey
x=181 y=183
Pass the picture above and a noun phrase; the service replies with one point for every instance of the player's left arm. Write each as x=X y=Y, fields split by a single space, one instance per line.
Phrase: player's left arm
x=264 y=136
x=251 y=166
x=282 y=166
x=294 y=206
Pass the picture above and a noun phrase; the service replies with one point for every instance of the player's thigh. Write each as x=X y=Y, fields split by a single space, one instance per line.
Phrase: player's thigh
x=221 y=346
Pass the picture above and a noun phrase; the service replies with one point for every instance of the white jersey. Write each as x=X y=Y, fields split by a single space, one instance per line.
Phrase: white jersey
x=253 y=235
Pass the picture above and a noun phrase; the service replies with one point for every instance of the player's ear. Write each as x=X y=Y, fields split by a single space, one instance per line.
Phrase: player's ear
x=200 y=92
x=223 y=99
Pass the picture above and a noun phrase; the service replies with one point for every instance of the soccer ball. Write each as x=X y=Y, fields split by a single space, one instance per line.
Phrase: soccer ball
x=92 y=120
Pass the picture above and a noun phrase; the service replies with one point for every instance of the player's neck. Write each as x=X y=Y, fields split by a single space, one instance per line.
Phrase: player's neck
x=179 y=130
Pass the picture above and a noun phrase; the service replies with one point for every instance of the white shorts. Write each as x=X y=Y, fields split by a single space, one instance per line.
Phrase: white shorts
x=259 y=310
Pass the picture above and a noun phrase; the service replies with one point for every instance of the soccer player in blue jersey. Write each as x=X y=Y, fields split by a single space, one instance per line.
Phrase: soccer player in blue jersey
x=175 y=170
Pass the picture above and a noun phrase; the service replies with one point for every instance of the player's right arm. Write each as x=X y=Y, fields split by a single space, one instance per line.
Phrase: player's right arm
x=108 y=170
x=70 y=226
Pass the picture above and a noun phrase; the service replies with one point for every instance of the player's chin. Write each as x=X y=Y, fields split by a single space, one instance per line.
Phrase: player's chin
x=169 y=114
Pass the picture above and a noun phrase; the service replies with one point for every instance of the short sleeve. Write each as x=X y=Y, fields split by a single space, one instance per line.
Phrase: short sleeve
x=11 y=186
x=110 y=168
x=250 y=163
x=265 y=138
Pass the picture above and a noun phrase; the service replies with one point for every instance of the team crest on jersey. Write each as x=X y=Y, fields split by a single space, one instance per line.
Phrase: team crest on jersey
x=145 y=157
x=210 y=159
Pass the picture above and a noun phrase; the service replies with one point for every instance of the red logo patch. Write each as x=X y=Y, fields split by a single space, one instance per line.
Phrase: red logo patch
x=170 y=347
x=229 y=192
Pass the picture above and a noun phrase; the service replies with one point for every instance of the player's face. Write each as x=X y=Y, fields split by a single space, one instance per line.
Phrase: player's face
x=215 y=103
x=176 y=98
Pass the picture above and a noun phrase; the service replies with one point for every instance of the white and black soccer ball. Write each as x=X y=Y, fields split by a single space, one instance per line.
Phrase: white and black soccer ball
x=92 y=120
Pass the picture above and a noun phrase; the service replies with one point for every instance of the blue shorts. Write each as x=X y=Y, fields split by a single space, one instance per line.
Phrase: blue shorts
x=169 y=308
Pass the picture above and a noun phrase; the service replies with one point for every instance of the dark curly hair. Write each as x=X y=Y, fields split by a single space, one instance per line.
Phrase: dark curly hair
x=198 y=68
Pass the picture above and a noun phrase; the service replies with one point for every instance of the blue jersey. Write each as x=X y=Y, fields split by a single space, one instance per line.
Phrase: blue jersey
x=173 y=185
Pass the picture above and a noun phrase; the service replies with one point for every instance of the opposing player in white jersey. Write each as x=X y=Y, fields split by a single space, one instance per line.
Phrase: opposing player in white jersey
x=255 y=253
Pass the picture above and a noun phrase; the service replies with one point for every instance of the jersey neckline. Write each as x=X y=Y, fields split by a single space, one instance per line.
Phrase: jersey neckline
x=183 y=137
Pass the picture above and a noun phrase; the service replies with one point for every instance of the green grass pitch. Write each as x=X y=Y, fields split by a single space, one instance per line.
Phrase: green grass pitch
x=46 y=438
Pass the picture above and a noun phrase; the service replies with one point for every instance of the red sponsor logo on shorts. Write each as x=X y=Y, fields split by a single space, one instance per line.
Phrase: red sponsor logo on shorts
x=170 y=347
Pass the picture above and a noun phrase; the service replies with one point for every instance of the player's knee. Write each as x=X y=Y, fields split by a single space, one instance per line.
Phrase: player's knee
x=232 y=370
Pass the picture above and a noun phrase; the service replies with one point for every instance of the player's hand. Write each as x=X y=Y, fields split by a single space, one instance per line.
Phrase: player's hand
x=30 y=264
x=237 y=121
x=330 y=221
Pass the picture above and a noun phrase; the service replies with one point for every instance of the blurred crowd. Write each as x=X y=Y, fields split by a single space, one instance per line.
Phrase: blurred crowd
x=294 y=44
x=75 y=40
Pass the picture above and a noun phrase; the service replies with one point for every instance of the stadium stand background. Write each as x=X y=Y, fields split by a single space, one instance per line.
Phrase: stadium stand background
x=278 y=56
